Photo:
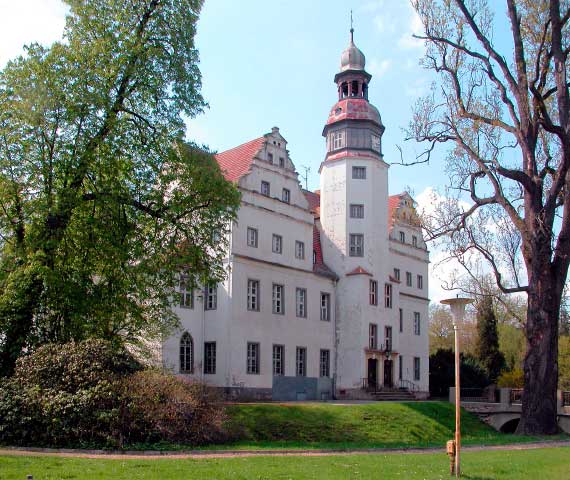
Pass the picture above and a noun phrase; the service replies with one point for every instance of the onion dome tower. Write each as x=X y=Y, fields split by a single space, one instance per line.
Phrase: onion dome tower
x=354 y=126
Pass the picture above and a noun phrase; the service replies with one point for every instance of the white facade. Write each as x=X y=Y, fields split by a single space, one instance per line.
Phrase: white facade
x=312 y=306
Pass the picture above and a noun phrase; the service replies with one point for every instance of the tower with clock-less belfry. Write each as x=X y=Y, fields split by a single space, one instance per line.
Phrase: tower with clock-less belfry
x=354 y=220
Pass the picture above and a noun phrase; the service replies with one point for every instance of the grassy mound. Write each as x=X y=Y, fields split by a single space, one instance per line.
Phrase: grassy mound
x=382 y=424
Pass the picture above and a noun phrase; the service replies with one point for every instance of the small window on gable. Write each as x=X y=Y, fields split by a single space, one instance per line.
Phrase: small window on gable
x=286 y=195
x=415 y=241
x=403 y=237
x=282 y=162
x=270 y=157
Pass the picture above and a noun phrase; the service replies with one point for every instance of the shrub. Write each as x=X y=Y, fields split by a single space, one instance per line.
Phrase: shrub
x=442 y=373
x=93 y=394
x=512 y=379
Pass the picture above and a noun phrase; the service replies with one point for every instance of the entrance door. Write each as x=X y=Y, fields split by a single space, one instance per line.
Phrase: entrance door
x=372 y=372
x=388 y=373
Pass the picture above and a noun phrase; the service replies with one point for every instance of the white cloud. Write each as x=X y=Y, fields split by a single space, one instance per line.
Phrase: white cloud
x=26 y=21
x=414 y=27
x=379 y=68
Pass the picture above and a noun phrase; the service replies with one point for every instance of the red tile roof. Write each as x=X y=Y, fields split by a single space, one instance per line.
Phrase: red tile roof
x=314 y=199
x=393 y=204
x=319 y=266
x=236 y=162
x=358 y=271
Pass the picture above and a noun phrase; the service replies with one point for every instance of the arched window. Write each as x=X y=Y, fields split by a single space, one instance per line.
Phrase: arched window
x=186 y=353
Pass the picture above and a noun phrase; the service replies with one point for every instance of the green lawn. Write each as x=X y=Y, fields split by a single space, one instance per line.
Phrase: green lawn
x=551 y=464
x=381 y=424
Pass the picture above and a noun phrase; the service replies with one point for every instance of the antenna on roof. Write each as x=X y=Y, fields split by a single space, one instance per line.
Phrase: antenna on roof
x=306 y=176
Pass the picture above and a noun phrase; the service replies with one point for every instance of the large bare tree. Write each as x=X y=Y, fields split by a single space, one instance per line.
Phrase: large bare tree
x=502 y=103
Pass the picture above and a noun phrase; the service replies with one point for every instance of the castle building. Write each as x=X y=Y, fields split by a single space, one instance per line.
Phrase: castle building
x=326 y=294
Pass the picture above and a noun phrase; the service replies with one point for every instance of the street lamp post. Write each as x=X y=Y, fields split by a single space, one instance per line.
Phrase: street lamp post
x=457 y=306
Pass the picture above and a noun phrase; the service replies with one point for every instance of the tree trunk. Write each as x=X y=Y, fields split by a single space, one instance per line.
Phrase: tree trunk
x=539 y=401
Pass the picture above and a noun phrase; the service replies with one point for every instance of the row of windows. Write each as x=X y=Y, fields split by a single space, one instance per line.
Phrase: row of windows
x=414 y=239
x=276 y=243
x=409 y=279
x=281 y=159
x=278 y=300
x=253 y=358
x=373 y=294
x=417 y=322
x=266 y=191
x=186 y=294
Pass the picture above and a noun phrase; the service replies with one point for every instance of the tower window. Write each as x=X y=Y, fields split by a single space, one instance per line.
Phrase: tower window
x=359 y=173
x=344 y=90
x=356 y=211
x=355 y=89
x=337 y=140
x=356 y=245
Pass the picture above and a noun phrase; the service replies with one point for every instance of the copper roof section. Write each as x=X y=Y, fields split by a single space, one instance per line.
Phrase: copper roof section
x=314 y=199
x=359 y=271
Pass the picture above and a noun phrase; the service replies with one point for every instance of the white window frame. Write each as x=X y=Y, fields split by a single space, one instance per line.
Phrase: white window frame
x=325 y=363
x=420 y=280
x=397 y=274
x=299 y=250
x=301 y=302
x=359 y=173
x=265 y=188
x=356 y=210
x=211 y=296
x=253 y=358
x=253 y=295
x=373 y=336
x=252 y=237
x=338 y=139
x=373 y=294
x=209 y=358
x=186 y=357
x=277 y=244
x=356 y=245
x=388 y=295
x=325 y=306
x=186 y=295
x=417 y=323
x=286 y=195
x=409 y=279
x=278 y=299
x=279 y=360
x=301 y=362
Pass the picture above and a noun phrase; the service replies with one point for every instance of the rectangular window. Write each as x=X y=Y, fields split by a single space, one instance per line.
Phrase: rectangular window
x=252 y=237
x=253 y=295
x=186 y=291
x=359 y=173
x=278 y=300
x=277 y=244
x=401 y=320
x=400 y=367
x=397 y=274
x=388 y=338
x=388 y=295
x=338 y=140
x=299 y=250
x=270 y=157
x=373 y=336
x=325 y=364
x=402 y=237
x=409 y=279
x=420 y=282
x=252 y=358
x=301 y=301
x=414 y=241
x=301 y=362
x=265 y=188
x=211 y=297
x=416 y=368
x=325 y=307
x=286 y=195
x=282 y=162
x=373 y=292
x=278 y=360
x=356 y=245
x=417 y=327
x=209 y=358
x=356 y=211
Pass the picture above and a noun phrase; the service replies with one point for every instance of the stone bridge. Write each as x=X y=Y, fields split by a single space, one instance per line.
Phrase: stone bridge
x=502 y=408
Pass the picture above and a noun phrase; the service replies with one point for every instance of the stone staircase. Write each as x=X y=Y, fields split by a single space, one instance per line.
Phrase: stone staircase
x=392 y=395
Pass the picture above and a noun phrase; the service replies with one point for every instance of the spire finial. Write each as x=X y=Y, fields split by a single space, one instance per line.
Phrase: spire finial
x=351 y=29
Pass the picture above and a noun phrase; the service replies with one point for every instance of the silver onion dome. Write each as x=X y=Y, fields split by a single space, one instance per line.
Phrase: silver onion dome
x=352 y=58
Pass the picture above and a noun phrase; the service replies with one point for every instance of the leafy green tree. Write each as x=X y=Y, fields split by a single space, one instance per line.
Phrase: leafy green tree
x=564 y=363
x=101 y=201
x=512 y=345
x=488 y=351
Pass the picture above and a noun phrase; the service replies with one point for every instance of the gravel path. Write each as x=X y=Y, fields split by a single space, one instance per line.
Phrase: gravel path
x=206 y=454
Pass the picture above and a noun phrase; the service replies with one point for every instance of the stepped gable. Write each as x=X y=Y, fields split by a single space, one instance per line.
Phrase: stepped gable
x=236 y=162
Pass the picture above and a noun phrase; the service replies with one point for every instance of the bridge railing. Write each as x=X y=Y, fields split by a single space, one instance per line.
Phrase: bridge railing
x=516 y=395
x=483 y=395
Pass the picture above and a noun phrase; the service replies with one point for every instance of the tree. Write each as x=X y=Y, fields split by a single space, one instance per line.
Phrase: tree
x=441 y=334
x=509 y=127
x=488 y=351
x=101 y=201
